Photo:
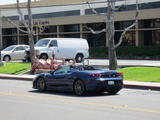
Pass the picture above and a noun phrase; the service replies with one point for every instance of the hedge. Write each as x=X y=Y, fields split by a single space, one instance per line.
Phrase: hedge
x=146 y=52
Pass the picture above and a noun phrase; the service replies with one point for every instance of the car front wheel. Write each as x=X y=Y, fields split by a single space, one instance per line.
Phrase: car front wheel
x=79 y=88
x=41 y=85
x=7 y=58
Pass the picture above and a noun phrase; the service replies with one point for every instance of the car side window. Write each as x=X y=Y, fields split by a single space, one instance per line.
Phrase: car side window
x=19 y=48
x=53 y=43
x=62 y=70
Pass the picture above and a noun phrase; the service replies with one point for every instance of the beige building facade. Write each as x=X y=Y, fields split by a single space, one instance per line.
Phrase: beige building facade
x=71 y=19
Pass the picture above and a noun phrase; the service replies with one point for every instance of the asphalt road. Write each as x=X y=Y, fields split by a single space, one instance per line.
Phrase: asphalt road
x=18 y=101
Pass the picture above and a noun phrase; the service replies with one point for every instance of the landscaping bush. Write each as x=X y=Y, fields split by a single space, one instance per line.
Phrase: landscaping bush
x=144 y=52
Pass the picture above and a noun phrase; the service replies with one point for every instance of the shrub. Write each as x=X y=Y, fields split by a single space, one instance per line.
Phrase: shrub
x=128 y=52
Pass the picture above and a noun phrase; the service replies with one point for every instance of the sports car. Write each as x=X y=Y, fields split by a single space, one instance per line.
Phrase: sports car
x=80 y=80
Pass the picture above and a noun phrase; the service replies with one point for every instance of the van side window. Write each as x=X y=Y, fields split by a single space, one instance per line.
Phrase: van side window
x=53 y=43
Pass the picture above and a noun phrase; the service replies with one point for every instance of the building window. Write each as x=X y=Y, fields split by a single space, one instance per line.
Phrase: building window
x=95 y=40
x=155 y=23
x=70 y=28
x=94 y=26
x=49 y=29
x=128 y=40
x=70 y=35
x=54 y=14
x=123 y=24
x=9 y=31
x=9 y=40
x=156 y=37
x=46 y=36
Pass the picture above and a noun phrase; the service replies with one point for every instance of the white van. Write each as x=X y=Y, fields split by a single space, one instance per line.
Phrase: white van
x=69 y=48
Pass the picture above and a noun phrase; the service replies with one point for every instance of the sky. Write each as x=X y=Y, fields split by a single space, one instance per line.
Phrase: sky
x=3 y=2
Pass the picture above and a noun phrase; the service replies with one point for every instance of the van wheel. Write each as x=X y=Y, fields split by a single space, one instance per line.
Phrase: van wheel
x=44 y=56
x=79 y=58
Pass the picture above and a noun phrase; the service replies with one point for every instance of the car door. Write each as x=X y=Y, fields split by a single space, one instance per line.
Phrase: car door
x=18 y=53
x=59 y=78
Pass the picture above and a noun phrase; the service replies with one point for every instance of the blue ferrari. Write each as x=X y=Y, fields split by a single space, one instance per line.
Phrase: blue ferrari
x=80 y=80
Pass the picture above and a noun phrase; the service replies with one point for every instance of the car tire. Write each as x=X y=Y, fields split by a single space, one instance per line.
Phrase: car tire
x=79 y=88
x=6 y=58
x=41 y=85
x=79 y=58
x=44 y=56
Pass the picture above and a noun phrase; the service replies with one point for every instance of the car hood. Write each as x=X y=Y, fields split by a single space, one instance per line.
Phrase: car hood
x=5 y=52
x=37 y=48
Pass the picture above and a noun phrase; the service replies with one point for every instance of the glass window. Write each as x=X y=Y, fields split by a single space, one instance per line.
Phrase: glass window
x=155 y=23
x=9 y=31
x=42 y=43
x=95 y=40
x=70 y=35
x=50 y=29
x=62 y=70
x=122 y=25
x=53 y=43
x=20 y=48
x=128 y=40
x=70 y=28
x=94 y=26
x=156 y=37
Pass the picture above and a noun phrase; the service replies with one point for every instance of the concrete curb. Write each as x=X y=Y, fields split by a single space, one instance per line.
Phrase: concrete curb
x=143 y=87
x=127 y=84
x=16 y=77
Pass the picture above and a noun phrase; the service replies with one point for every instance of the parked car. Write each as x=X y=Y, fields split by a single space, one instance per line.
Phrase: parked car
x=80 y=79
x=69 y=48
x=14 y=52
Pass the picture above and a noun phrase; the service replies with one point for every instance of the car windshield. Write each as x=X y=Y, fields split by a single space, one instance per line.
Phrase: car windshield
x=63 y=69
x=9 y=48
x=42 y=43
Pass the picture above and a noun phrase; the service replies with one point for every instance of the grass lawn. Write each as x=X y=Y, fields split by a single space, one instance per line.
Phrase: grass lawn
x=145 y=74
x=15 y=68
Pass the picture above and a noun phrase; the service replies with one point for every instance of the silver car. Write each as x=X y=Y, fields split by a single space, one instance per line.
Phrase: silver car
x=14 y=52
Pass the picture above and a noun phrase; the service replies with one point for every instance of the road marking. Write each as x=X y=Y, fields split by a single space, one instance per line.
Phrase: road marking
x=81 y=102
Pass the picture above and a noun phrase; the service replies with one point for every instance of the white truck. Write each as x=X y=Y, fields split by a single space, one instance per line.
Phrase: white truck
x=69 y=48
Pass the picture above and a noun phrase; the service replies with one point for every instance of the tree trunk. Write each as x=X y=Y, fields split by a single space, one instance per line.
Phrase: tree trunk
x=30 y=35
x=110 y=36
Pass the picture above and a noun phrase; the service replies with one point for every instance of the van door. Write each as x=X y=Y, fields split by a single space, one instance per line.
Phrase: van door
x=54 y=48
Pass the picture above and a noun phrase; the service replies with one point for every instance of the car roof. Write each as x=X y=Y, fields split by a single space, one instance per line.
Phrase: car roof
x=18 y=45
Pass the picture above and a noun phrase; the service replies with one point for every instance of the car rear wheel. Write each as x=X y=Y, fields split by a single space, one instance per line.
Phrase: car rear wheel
x=7 y=58
x=41 y=85
x=79 y=88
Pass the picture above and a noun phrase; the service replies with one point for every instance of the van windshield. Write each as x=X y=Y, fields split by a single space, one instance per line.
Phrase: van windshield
x=42 y=43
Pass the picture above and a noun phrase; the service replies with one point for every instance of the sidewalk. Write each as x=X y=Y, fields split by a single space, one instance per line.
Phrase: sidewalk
x=127 y=84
